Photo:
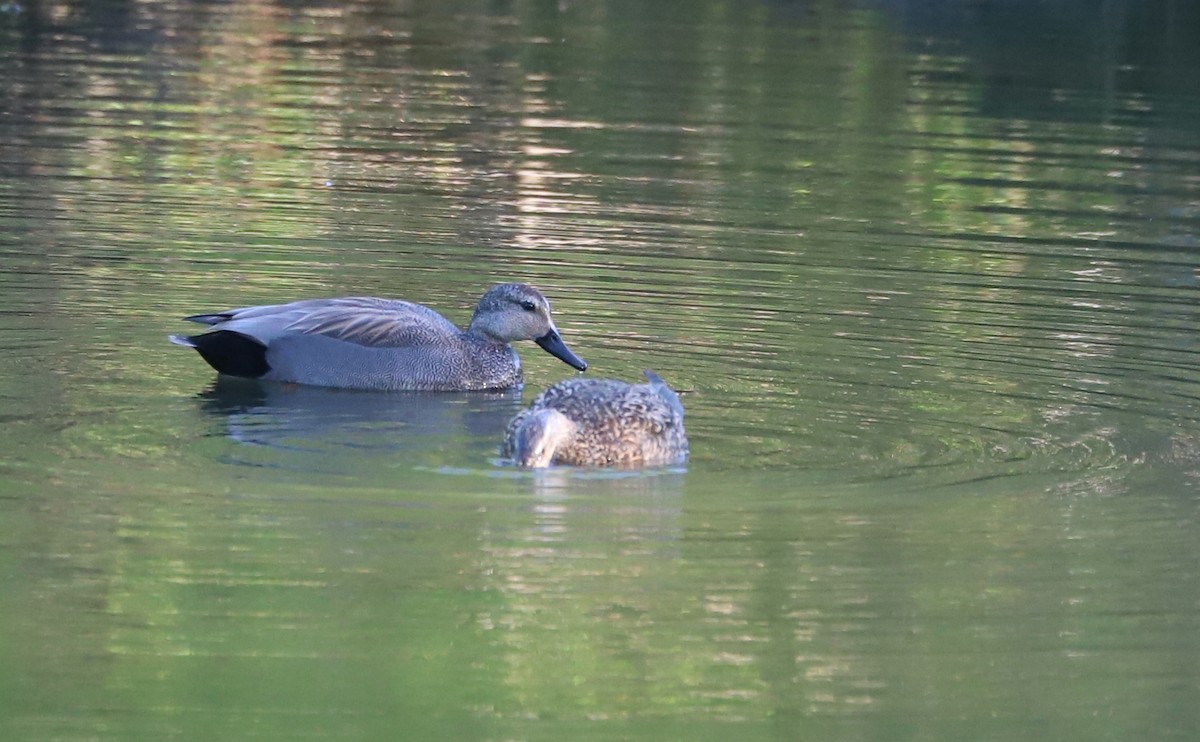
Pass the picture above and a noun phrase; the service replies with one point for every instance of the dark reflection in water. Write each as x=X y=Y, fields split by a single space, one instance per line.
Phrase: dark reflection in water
x=328 y=423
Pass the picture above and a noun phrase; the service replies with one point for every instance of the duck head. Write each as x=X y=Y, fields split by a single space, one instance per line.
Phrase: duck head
x=516 y=311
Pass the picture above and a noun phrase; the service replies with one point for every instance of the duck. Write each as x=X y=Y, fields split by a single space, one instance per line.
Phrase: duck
x=599 y=423
x=381 y=344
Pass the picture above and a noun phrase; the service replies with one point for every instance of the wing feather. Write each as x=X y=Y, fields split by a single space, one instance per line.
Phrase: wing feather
x=368 y=321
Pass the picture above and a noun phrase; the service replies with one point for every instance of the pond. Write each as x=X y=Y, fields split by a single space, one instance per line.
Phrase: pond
x=927 y=275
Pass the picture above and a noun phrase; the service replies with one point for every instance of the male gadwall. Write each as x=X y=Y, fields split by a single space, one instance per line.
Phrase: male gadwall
x=383 y=344
x=600 y=422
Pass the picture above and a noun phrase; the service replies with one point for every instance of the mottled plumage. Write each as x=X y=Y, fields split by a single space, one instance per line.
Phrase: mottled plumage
x=384 y=344
x=600 y=422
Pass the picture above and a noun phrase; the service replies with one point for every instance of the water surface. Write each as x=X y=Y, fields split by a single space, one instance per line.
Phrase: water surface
x=927 y=275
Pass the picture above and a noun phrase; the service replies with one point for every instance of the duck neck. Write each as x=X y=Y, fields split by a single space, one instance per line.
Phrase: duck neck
x=495 y=363
x=476 y=332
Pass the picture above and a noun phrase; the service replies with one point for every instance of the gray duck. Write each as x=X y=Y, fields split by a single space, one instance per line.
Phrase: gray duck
x=381 y=344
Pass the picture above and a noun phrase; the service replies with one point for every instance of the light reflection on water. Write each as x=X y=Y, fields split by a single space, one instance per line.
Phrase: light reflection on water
x=928 y=286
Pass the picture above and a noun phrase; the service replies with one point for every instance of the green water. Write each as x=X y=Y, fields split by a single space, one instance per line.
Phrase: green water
x=926 y=273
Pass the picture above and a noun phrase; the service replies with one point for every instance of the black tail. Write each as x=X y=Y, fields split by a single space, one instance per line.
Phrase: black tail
x=232 y=353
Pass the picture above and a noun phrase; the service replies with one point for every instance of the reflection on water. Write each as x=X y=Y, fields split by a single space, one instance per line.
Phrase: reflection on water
x=927 y=270
x=328 y=427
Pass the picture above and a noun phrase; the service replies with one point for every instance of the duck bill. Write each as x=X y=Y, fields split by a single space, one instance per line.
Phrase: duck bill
x=553 y=344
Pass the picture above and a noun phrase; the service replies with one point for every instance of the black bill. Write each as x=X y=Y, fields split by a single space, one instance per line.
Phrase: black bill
x=553 y=344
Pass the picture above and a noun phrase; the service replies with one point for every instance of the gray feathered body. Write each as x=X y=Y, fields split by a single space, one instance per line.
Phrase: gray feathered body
x=461 y=363
x=368 y=343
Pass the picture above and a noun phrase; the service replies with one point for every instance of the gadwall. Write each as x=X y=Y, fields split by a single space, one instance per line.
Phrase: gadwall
x=383 y=344
x=600 y=422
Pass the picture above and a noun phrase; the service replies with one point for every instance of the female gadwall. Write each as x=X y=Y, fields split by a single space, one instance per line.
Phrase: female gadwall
x=383 y=344
x=600 y=422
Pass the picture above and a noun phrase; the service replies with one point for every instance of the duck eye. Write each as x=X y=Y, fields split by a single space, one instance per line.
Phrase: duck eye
x=528 y=306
